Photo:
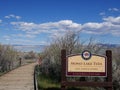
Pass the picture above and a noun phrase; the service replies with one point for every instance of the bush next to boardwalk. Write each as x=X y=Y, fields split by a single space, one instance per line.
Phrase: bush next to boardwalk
x=7 y=57
x=51 y=56
x=70 y=41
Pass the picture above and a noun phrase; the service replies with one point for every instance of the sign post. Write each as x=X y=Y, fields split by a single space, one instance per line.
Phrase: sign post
x=109 y=68
x=63 y=73
x=84 y=65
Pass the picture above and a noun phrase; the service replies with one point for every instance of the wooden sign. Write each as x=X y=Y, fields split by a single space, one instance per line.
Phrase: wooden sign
x=86 y=64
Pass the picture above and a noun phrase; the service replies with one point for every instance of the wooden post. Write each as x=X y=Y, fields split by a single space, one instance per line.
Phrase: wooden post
x=20 y=61
x=109 y=68
x=63 y=69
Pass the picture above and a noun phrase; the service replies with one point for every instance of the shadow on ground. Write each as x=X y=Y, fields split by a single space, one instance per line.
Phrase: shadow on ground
x=60 y=89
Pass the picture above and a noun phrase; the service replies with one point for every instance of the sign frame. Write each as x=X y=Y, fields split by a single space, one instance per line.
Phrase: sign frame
x=84 y=74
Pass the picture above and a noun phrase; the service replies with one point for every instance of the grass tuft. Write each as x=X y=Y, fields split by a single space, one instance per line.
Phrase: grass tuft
x=46 y=83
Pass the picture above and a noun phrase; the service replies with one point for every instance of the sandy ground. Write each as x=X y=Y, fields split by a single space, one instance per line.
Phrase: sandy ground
x=18 y=79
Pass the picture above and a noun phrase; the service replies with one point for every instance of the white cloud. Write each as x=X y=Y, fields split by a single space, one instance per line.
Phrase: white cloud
x=97 y=28
x=65 y=22
x=110 y=25
x=28 y=42
x=114 y=9
x=24 y=26
x=6 y=37
x=12 y=16
x=92 y=25
x=115 y=20
x=17 y=17
x=7 y=17
x=102 y=13
x=52 y=28
x=0 y=21
x=21 y=41
x=29 y=31
x=23 y=35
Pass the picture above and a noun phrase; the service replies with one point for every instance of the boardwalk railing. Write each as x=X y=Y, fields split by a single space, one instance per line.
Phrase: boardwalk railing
x=35 y=80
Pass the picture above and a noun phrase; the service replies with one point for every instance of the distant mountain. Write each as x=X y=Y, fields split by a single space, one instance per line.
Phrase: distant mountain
x=109 y=45
x=39 y=48
x=28 y=48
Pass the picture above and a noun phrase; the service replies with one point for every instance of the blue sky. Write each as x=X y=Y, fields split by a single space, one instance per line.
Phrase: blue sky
x=38 y=22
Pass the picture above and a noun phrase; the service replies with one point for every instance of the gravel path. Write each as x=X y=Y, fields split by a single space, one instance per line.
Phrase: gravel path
x=18 y=79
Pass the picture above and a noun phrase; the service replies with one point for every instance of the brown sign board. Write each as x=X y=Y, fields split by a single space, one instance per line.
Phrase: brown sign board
x=78 y=65
x=91 y=64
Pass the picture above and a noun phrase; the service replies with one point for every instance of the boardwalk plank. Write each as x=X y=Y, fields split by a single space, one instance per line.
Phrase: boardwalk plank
x=18 y=79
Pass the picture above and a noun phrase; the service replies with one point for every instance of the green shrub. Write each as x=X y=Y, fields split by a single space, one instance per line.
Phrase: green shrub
x=51 y=63
x=7 y=57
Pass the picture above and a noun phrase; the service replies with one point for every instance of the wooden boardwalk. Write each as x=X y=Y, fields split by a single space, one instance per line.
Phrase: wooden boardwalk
x=18 y=79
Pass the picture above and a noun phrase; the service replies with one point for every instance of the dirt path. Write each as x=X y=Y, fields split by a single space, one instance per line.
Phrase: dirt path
x=18 y=79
